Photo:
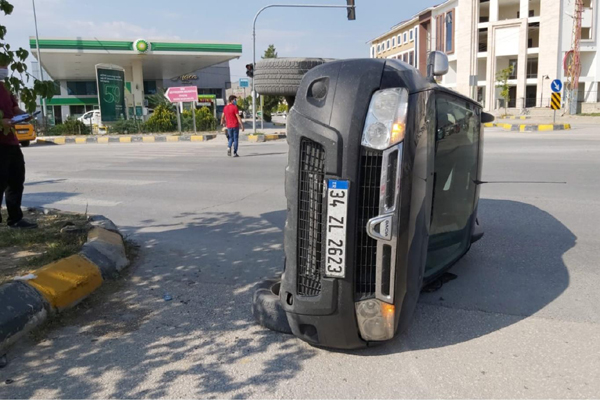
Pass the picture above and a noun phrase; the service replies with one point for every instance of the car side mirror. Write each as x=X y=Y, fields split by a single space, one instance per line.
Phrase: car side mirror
x=487 y=118
x=437 y=64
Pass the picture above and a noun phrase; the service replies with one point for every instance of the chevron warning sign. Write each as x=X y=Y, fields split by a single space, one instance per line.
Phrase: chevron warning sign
x=556 y=101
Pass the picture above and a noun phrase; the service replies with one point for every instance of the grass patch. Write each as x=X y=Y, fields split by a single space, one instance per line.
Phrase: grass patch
x=26 y=249
x=590 y=115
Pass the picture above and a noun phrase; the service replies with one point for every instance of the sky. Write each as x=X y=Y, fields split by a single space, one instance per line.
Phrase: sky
x=294 y=32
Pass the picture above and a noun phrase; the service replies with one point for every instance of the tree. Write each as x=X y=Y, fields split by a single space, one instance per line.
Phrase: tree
x=244 y=103
x=159 y=99
x=270 y=52
x=17 y=81
x=502 y=78
x=270 y=103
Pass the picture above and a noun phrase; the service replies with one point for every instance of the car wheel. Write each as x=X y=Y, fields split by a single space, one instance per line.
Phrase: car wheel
x=267 y=308
x=282 y=76
x=25 y=143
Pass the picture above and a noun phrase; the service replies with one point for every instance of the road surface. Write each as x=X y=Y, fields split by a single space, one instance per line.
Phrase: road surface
x=521 y=320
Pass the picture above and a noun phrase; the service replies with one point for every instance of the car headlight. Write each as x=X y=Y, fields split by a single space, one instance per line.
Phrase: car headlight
x=386 y=119
x=375 y=320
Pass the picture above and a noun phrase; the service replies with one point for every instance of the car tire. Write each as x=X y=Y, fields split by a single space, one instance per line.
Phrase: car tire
x=25 y=143
x=282 y=76
x=267 y=308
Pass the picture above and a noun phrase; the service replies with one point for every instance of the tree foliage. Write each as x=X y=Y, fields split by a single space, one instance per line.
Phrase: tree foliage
x=270 y=103
x=18 y=77
x=270 y=52
x=502 y=78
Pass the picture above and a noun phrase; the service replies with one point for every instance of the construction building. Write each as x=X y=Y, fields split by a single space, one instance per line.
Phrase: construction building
x=483 y=37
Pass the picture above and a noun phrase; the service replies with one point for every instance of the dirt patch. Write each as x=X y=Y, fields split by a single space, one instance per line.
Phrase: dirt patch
x=22 y=250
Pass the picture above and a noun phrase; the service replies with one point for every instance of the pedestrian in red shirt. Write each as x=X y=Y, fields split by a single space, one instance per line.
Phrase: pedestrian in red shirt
x=12 y=163
x=231 y=119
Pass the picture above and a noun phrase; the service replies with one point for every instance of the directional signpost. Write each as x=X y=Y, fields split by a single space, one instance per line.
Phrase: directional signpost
x=183 y=94
x=556 y=100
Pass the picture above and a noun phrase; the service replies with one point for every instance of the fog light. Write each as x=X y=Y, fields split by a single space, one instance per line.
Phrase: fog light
x=375 y=320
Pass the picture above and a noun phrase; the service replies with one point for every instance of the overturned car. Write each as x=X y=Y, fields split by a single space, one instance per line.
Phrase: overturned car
x=382 y=193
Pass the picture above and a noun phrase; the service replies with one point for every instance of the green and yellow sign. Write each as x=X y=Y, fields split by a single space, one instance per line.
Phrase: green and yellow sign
x=111 y=92
x=141 y=45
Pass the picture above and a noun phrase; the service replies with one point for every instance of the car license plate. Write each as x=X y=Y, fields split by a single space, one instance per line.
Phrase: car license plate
x=337 y=213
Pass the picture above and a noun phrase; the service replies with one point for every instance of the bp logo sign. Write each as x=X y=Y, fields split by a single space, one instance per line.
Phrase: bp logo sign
x=141 y=46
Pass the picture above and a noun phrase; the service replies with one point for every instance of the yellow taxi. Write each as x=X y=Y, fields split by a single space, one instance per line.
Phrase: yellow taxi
x=25 y=134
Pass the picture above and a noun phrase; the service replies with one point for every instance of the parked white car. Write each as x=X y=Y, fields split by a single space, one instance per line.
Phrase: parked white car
x=89 y=117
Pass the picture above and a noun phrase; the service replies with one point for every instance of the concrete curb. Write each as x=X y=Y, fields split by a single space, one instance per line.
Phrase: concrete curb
x=529 y=128
x=266 y=137
x=516 y=117
x=62 y=284
x=124 y=139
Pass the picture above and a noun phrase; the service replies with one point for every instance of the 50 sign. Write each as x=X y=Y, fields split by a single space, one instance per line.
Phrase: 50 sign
x=111 y=93
x=111 y=87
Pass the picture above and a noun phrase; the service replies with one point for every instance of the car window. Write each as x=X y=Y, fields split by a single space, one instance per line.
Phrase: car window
x=456 y=164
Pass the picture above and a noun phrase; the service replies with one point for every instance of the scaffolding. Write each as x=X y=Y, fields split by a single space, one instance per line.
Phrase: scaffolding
x=572 y=61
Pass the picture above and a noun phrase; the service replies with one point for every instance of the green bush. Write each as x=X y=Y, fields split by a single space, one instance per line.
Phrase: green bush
x=205 y=121
x=70 y=126
x=125 y=126
x=162 y=120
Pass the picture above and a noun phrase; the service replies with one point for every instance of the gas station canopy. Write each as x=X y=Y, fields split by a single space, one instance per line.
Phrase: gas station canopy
x=76 y=58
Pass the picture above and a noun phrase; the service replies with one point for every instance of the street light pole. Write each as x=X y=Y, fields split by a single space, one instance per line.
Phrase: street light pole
x=37 y=46
x=348 y=7
x=542 y=91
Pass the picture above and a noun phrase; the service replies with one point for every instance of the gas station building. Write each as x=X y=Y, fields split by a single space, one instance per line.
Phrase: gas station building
x=149 y=66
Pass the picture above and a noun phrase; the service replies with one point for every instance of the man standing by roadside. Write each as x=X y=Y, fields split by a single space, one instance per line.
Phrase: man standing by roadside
x=231 y=119
x=12 y=163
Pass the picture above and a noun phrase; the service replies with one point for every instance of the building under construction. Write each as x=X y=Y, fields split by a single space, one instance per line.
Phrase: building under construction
x=542 y=40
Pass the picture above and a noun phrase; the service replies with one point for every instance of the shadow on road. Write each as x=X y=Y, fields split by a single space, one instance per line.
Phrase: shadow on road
x=515 y=271
x=128 y=342
x=144 y=346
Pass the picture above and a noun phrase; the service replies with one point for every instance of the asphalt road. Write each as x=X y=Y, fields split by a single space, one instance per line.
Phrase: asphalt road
x=521 y=320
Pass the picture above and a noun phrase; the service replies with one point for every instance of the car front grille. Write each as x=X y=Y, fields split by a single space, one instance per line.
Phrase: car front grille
x=310 y=217
x=368 y=207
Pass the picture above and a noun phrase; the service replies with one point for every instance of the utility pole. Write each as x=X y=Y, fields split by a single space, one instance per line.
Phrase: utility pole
x=351 y=7
x=37 y=46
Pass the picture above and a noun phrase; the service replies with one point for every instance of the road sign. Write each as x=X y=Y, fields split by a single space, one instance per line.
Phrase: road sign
x=111 y=92
x=244 y=82
x=182 y=94
x=556 y=86
x=556 y=101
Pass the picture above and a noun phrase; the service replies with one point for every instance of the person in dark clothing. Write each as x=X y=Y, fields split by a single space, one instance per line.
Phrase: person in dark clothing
x=12 y=163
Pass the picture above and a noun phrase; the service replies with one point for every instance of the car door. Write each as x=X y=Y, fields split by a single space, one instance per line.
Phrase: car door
x=458 y=130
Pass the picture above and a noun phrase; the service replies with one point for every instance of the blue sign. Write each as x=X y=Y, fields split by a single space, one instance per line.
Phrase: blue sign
x=244 y=82
x=556 y=86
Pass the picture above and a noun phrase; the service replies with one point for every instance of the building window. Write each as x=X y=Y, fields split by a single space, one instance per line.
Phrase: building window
x=411 y=58
x=76 y=111
x=82 y=88
x=450 y=32
x=393 y=42
x=372 y=52
x=56 y=90
x=405 y=57
x=388 y=44
x=515 y=66
x=378 y=48
x=399 y=40
x=405 y=37
x=532 y=68
x=149 y=87
x=411 y=35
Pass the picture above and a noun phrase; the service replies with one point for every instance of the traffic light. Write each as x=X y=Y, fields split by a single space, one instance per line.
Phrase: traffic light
x=351 y=10
x=250 y=70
